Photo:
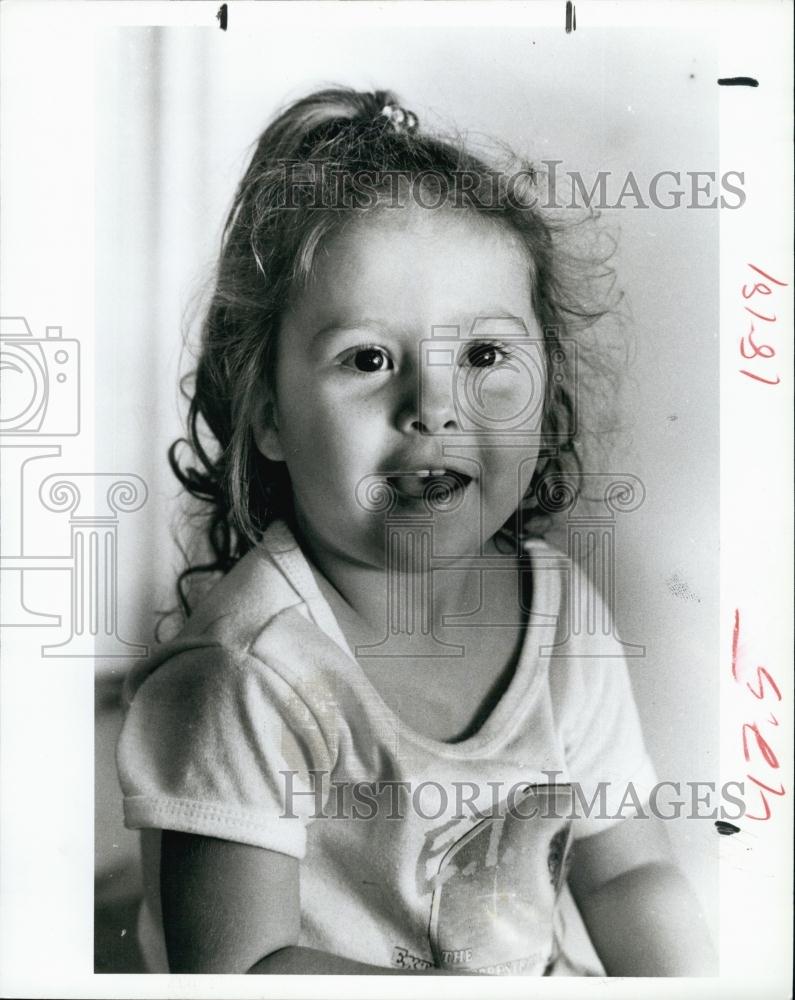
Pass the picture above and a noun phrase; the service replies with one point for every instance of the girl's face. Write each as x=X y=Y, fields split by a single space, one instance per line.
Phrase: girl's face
x=412 y=361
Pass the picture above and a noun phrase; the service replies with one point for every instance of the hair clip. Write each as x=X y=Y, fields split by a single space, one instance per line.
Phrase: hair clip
x=400 y=119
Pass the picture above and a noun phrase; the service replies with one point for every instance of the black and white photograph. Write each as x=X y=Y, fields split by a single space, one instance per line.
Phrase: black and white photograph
x=397 y=460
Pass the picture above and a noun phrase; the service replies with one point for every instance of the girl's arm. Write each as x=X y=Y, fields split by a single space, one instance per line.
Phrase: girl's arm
x=640 y=911
x=232 y=908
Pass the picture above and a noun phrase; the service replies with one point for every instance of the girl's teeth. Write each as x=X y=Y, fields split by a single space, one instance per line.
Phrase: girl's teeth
x=413 y=484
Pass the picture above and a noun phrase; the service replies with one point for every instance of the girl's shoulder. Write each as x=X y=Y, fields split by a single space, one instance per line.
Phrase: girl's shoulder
x=265 y=621
x=231 y=617
x=243 y=601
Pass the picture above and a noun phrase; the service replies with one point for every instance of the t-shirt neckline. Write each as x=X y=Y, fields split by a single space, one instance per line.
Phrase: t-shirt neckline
x=530 y=670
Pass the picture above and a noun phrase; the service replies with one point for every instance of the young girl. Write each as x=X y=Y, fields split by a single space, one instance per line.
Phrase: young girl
x=362 y=754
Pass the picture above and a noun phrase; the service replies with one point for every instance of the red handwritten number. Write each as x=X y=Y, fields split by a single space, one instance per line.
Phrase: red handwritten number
x=769 y=277
x=735 y=641
x=767 y=319
x=762 y=744
x=765 y=351
x=760 y=288
x=765 y=803
x=762 y=672
x=764 y=684
x=757 y=350
x=758 y=378
x=773 y=791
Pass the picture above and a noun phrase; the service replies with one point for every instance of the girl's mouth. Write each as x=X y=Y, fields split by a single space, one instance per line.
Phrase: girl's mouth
x=429 y=484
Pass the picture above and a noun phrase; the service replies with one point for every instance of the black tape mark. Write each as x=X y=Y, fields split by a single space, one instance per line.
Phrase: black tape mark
x=222 y=16
x=738 y=81
x=571 y=17
x=726 y=829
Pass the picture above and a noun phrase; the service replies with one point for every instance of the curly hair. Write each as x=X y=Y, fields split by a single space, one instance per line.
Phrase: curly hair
x=333 y=154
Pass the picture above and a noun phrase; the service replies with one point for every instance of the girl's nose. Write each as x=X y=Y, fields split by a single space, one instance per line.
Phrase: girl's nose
x=428 y=406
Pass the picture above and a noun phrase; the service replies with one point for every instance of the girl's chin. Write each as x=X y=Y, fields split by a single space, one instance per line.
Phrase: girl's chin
x=405 y=535
x=400 y=534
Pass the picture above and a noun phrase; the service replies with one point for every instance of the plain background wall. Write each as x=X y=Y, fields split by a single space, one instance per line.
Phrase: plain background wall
x=178 y=111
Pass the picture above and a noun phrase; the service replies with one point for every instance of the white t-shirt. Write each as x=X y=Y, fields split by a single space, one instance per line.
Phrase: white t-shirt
x=258 y=726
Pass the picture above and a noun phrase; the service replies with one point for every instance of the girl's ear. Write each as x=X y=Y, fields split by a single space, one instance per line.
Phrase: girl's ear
x=266 y=432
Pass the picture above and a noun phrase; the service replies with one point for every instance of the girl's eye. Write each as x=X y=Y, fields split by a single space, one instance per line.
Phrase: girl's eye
x=484 y=355
x=368 y=359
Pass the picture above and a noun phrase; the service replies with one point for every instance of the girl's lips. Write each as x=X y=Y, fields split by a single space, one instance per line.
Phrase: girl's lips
x=418 y=485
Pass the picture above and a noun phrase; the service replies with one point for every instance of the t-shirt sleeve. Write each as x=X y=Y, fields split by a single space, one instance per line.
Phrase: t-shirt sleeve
x=600 y=729
x=222 y=745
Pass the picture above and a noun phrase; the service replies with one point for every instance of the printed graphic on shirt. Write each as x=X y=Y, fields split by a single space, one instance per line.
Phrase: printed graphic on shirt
x=402 y=959
x=496 y=890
